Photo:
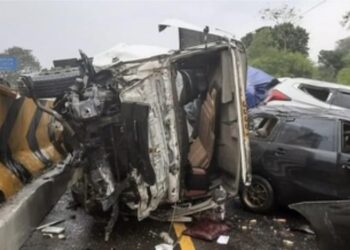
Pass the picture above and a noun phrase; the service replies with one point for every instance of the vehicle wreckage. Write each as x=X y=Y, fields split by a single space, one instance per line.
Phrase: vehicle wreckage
x=163 y=136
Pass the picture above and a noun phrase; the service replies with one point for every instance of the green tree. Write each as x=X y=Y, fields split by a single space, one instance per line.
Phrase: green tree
x=261 y=42
x=289 y=37
x=343 y=45
x=332 y=61
x=286 y=36
x=284 y=14
x=26 y=63
x=248 y=39
x=343 y=76
x=282 y=64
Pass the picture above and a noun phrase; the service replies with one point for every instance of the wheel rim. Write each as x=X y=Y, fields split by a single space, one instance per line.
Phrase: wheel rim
x=256 y=195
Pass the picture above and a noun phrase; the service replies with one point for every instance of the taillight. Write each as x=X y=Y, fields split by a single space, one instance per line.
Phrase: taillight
x=275 y=95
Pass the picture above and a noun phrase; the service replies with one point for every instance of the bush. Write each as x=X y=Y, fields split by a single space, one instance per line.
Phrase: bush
x=284 y=64
x=343 y=76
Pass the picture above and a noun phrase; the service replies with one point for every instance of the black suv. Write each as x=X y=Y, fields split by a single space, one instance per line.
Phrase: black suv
x=297 y=155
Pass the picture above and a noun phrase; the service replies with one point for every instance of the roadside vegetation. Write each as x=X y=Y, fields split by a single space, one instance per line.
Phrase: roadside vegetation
x=282 y=49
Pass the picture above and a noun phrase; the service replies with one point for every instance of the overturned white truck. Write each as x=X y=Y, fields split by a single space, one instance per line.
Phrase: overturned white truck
x=162 y=134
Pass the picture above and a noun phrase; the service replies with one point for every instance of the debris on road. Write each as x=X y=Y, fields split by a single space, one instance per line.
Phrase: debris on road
x=50 y=224
x=288 y=243
x=166 y=238
x=48 y=235
x=253 y=222
x=164 y=247
x=52 y=230
x=280 y=220
x=61 y=237
x=223 y=239
x=207 y=229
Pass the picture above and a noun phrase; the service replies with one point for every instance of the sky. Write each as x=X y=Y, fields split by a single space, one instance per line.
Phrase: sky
x=57 y=29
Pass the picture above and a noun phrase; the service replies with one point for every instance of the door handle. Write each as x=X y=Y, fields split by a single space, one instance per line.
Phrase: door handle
x=280 y=151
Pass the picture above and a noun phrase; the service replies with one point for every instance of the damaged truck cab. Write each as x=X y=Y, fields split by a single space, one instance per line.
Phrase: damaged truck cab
x=162 y=136
x=197 y=124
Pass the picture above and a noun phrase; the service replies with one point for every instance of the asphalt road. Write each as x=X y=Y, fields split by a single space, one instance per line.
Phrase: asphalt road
x=85 y=233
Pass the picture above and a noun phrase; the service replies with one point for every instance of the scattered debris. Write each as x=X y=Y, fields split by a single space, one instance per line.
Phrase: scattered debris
x=166 y=238
x=244 y=228
x=153 y=234
x=286 y=233
x=253 y=222
x=304 y=229
x=61 y=237
x=223 y=239
x=288 y=243
x=52 y=230
x=164 y=247
x=48 y=235
x=280 y=220
x=207 y=229
x=50 y=224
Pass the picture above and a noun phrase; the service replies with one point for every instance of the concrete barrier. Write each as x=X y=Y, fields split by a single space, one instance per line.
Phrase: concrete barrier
x=20 y=215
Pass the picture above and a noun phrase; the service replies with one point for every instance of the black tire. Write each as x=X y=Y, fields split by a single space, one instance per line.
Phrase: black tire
x=54 y=82
x=259 y=196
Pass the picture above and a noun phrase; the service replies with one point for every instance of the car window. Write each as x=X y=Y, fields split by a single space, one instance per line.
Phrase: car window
x=342 y=99
x=262 y=127
x=309 y=132
x=346 y=138
x=321 y=94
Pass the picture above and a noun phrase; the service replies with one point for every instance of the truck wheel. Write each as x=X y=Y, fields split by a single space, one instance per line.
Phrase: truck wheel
x=259 y=196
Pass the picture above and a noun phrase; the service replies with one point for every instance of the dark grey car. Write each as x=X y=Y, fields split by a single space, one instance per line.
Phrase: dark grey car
x=297 y=155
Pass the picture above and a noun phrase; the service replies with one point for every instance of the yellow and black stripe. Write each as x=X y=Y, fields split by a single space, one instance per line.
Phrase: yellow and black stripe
x=27 y=143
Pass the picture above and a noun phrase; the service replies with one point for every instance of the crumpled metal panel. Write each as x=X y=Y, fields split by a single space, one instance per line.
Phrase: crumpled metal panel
x=152 y=86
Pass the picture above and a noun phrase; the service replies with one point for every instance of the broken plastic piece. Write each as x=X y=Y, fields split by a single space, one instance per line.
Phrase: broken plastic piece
x=223 y=239
x=164 y=247
x=50 y=224
x=166 y=238
x=48 y=236
x=61 y=237
x=288 y=243
x=252 y=222
x=280 y=220
x=52 y=230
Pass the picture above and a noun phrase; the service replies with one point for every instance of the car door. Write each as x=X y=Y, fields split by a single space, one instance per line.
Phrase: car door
x=343 y=166
x=262 y=131
x=302 y=160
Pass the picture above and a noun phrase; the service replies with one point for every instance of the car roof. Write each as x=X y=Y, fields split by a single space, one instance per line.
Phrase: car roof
x=315 y=83
x=293 y=111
